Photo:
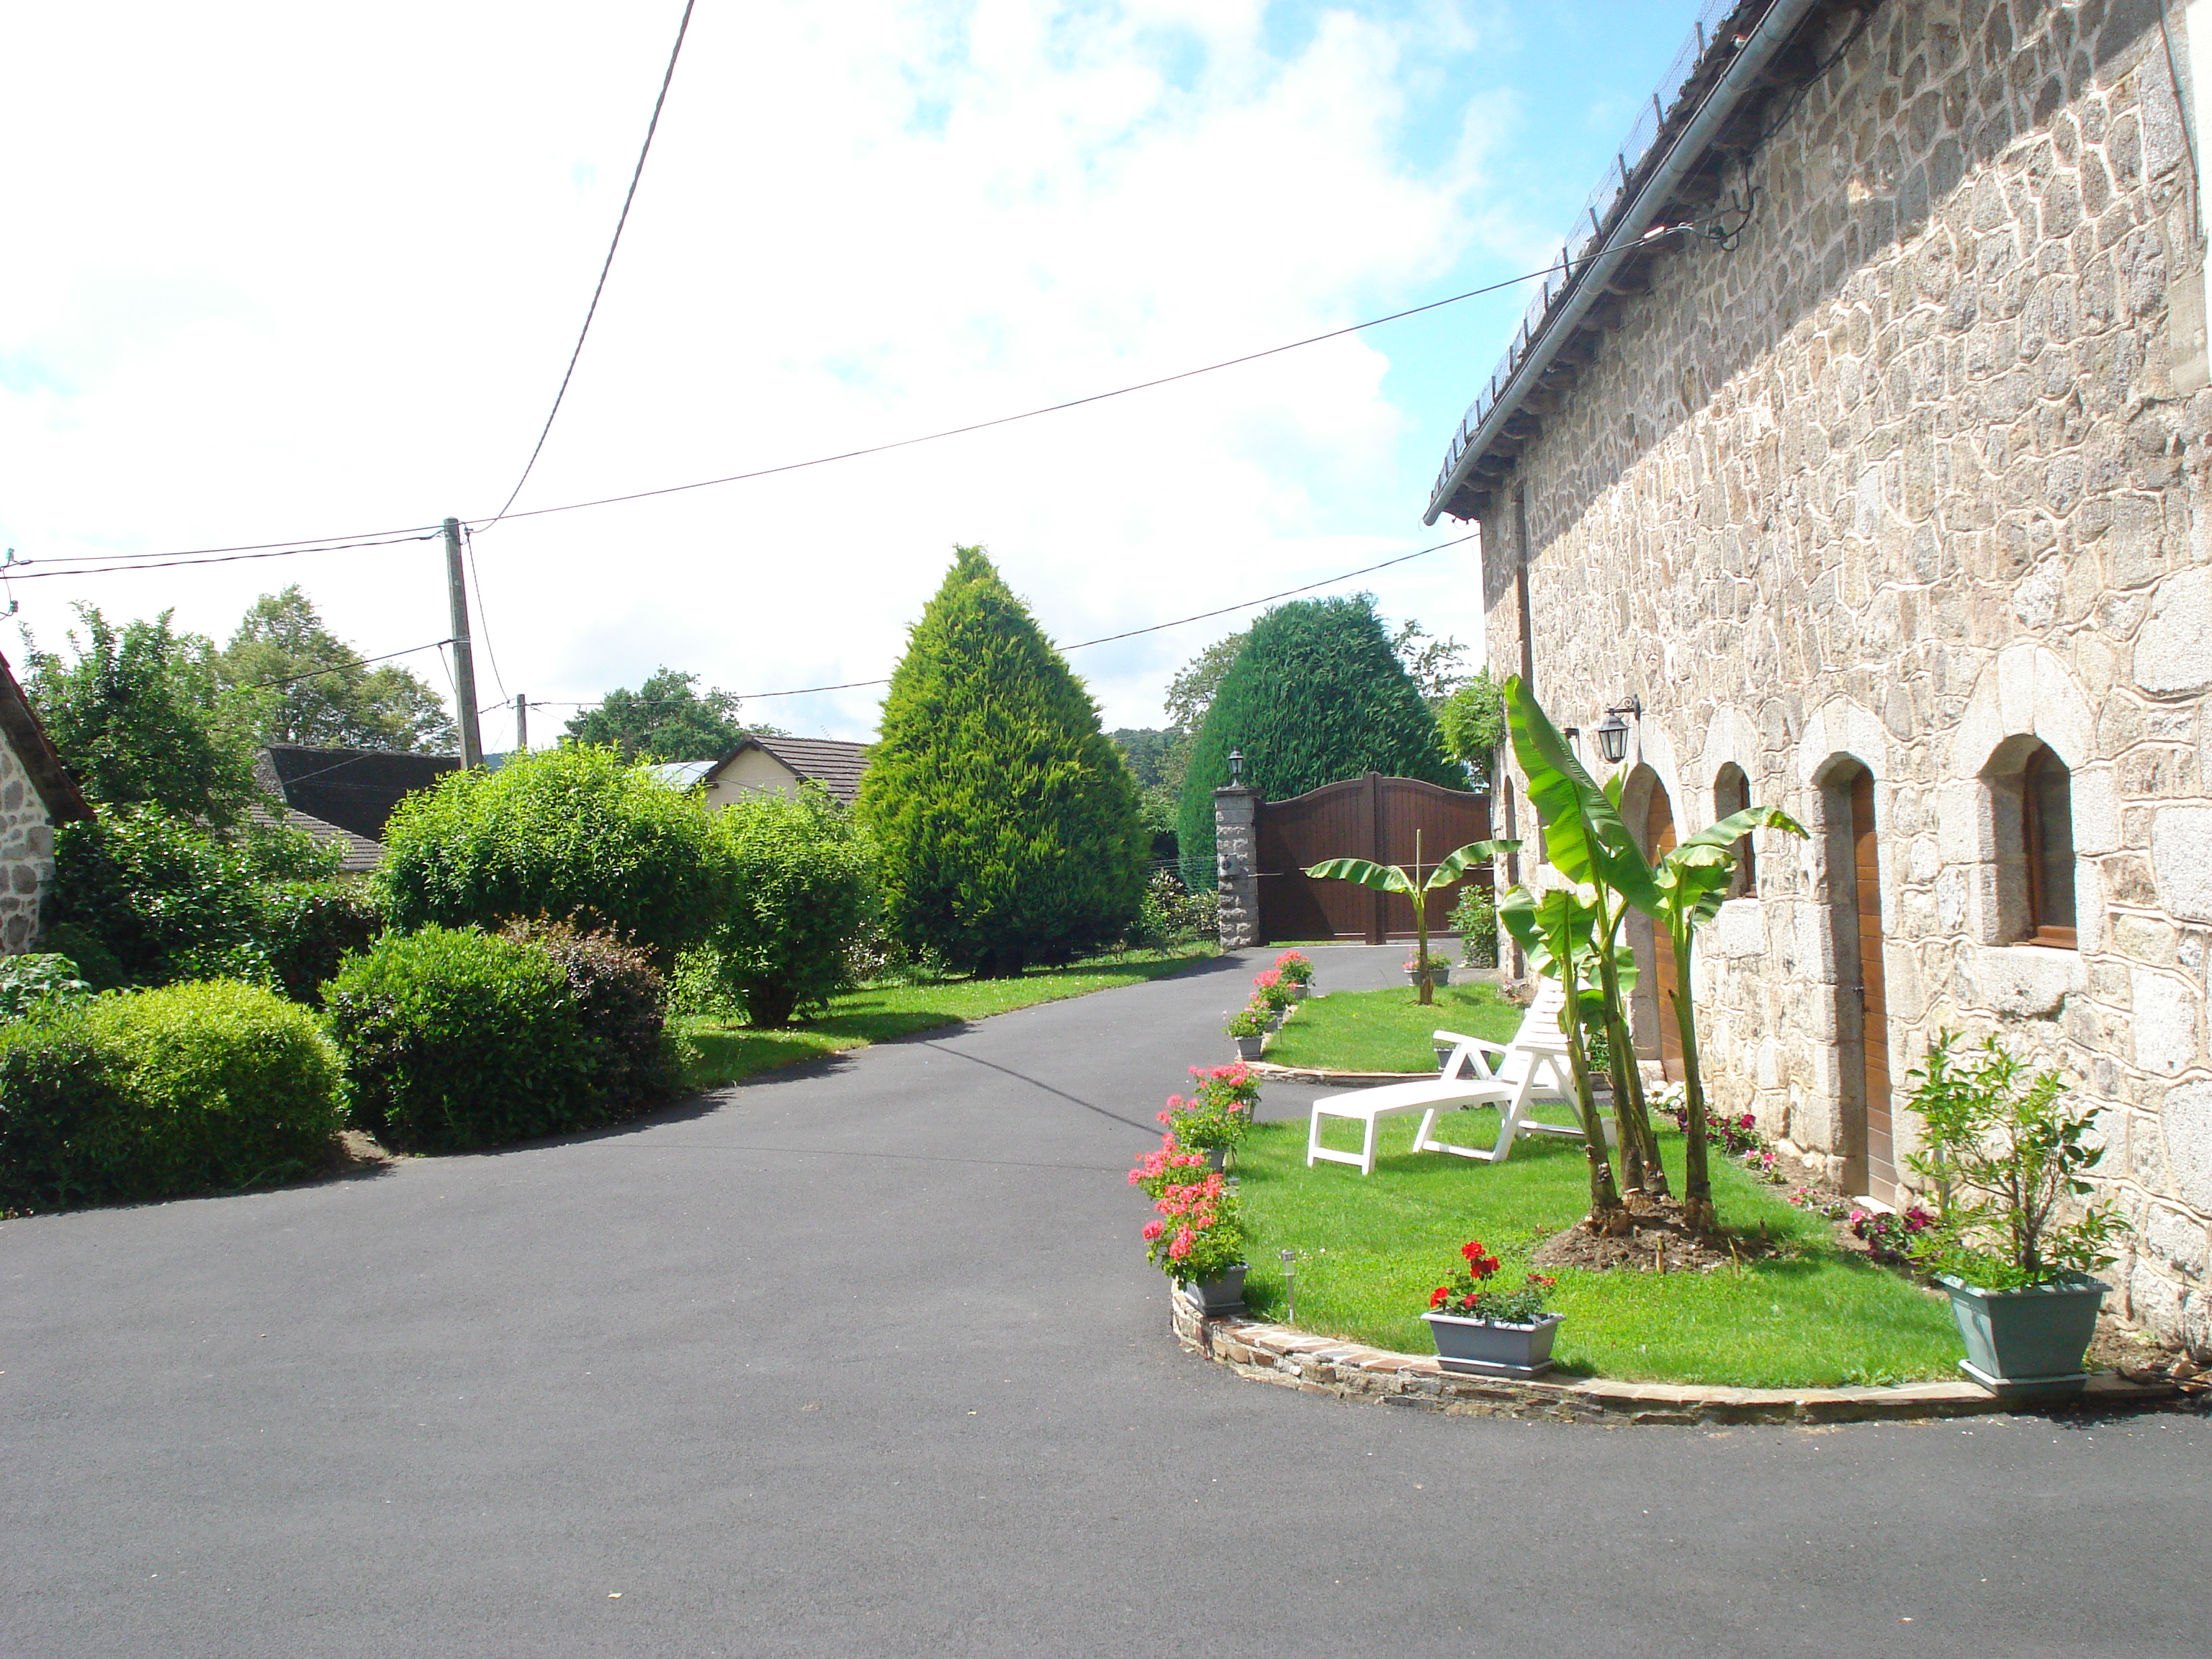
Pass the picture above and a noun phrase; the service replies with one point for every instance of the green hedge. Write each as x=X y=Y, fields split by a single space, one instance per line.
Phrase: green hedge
x=801 y=882
x=571 y=833
x=455 y=1039
x=197 y=1088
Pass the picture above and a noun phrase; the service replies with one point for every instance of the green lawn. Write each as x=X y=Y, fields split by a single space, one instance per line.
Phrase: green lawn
x=1389 y=1030
x=726 y=1052
x=1370 y=1249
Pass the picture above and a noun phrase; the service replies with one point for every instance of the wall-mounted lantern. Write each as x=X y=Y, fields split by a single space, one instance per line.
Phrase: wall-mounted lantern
x=1613 y=736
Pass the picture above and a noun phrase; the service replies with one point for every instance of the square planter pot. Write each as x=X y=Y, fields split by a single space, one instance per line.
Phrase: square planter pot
x=1248 y=1048
x=1225 y=1294
x=1476 y=1348
x=1298 y=991
x=1437 y=977
x=2027 y=1341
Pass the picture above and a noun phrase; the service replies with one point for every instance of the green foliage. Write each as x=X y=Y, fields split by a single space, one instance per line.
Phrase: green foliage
x=1472 y=722
x=2007 y=1152
x=308 y=686
x=199 y=1088
x=802 y=882
x=572 y=834
x=32 y=982
x=1315 y=695
x=665 y=719
x=1156 y=812
x=305 y=928
x=162 y=899
x=621 y=1002
x=1170 y=916
x=456 y=1039
x=1432 y=664
x=140 y=716
x=1146 y=753
x=1006 y=823
x=1474 y=919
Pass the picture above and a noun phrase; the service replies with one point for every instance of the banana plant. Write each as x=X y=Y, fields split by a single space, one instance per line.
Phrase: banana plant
x=1400 y=879
x=1557 y=930
x=1587 y=840
x=1691 y=884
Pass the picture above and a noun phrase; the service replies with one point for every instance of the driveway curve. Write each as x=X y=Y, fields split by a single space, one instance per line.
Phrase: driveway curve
x=863 y=1358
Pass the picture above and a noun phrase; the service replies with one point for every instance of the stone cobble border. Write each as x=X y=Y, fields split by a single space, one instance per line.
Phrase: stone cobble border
x=1350 y=1370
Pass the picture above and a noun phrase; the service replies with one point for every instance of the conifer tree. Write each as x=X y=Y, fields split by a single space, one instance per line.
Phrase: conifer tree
x=1006 y=821
x=1316 y=696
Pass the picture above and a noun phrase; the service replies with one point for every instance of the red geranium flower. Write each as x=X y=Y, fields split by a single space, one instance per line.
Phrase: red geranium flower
x=1438 y=1296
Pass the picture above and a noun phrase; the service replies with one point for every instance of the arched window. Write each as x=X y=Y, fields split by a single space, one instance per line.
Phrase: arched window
x=2046 y=805
x=1732 y=794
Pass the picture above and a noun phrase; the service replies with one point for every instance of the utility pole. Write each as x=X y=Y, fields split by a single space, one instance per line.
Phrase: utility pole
x=521 y=725
x=464 y=663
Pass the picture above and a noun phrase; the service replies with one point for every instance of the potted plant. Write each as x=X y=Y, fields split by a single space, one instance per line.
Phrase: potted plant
x=1271 y=989
x=1197 y=1239
x=1438 y=970
x=1216 y=1115
x=1486 y=1333
x=1297 y=971
x=2005 y=1152
x=1249 y=1025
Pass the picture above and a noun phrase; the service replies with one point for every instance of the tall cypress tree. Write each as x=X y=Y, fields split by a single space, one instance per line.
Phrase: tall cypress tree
x=1006 y=823
x=1316 y=696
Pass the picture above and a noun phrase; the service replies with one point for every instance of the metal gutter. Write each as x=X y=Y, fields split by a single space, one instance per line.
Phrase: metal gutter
x=1767 y=38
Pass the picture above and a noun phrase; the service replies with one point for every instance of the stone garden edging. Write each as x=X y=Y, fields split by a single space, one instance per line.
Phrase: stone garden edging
x=1350 y=1370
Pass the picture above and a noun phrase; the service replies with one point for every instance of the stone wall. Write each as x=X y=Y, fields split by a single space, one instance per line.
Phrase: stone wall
x=1905 y=480
x=1236 y=864
x=27 y=854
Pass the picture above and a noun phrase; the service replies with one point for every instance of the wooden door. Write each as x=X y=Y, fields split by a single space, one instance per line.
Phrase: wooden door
x=1666 y=980
x=1873 y=1023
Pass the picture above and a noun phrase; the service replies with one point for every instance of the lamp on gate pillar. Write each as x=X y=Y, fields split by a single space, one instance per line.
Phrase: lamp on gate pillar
x=1613 y=735
x=1236 y=768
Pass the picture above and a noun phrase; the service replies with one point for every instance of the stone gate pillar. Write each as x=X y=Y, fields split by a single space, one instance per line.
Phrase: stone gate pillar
x=1236 y=864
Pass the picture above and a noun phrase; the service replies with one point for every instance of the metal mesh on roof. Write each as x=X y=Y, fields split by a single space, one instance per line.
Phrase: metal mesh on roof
x=1594 y=221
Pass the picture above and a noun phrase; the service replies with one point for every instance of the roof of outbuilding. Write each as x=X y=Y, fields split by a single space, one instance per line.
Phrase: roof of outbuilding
x=682 y=774
x=357 y=789
x=65 y=802
x=358 y=854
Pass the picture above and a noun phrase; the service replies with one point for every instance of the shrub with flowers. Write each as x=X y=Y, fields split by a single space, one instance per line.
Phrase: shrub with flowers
x=1250 y=1021
x=1272 y=990
x=1889 y=1237
x=1431 y=963
x=1820 y=1203
x=1738 y=1136
x=1296 y=969
x=1169 y=1164
x=1217 y=1111
x=1465 y=1297
x=1199 y=1233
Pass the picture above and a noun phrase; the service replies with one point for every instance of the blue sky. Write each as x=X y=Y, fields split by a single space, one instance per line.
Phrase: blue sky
x=288 y=271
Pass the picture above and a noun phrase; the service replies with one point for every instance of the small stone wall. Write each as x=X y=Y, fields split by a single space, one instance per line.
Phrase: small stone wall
x=1236 y=865
x=1350 y=1370
x=27 y=854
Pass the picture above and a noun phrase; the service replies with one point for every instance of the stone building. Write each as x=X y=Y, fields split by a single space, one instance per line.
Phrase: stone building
x=1857 y=455
x=35 y=794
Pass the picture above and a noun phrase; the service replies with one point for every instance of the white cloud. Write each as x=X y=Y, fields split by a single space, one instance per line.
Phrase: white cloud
x=297 y=270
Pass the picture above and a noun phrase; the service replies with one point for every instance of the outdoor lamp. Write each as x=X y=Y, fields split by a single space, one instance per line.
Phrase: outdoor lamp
x=1290 y=1290
x=1236 y=769
x=1613 y=736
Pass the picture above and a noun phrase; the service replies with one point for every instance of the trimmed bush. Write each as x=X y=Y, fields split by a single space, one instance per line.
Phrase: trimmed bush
x=570 y=834
x=455 y=1039
x=1316 y=696
x=199 y=1088
x=1006 y=823
x=33 y=982
x=623 y=1002
x=802 y=882
x=306 y=929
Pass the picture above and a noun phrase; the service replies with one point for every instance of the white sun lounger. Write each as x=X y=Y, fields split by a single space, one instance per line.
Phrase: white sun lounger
x=1511 y=1076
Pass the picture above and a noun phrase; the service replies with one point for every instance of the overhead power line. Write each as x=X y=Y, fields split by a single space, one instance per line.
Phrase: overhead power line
x=149 y=563
x=340 y=667
x=592 y=310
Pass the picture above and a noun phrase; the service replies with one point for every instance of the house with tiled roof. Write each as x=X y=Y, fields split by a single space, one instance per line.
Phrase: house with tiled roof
x=774 y=765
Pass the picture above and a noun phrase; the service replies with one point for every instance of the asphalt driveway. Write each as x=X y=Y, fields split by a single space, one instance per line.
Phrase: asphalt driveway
x=864 y=1359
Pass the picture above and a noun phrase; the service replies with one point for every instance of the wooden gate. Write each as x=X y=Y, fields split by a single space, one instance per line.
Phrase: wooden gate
x=1368 y=817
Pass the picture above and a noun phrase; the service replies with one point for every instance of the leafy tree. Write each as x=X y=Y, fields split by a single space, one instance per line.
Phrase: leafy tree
x=1433 y=663
x=1006 y=823
x=666 y=718
x=571 y=833
x=1317 y=695
x=140 y=719
x=311 y=687
x=801 y=882
x=1473 y=721
x=1146 y=751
